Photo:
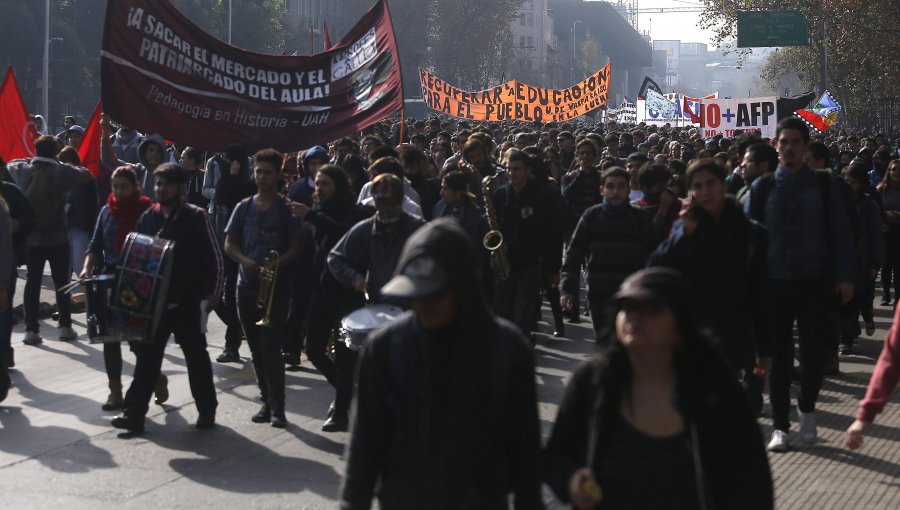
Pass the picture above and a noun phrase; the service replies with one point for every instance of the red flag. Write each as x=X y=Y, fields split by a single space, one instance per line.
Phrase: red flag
x=89 y=150
x=687 y=109
x=327 y=36
x=17 y=132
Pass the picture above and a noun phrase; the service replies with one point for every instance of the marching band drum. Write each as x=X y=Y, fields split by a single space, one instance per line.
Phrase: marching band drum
x=129 y=306
x=355 y=327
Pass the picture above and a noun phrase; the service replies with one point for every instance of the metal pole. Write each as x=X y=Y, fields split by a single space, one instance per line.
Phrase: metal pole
x=823 y=61
x=229 y=21
x=45 y=96
x=572 y=72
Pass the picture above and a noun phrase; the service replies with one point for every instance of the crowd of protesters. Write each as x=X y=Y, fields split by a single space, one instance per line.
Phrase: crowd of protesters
x=743 y=238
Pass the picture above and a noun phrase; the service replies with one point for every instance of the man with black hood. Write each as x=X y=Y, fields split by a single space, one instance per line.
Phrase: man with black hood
x=433 y=423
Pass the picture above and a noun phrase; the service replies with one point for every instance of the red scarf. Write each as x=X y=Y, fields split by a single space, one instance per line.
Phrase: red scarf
x=125 y=213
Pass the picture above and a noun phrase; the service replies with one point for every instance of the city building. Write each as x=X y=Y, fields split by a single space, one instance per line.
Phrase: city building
x=533 y=46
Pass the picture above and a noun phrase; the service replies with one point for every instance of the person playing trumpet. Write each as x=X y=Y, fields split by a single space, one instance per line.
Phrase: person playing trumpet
x=258 y=226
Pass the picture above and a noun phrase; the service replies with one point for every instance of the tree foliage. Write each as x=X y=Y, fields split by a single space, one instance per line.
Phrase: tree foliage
x=859 y=37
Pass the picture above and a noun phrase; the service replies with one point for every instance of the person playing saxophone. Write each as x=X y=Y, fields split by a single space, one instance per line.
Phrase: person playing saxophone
x=528 y=218
x=260 y=225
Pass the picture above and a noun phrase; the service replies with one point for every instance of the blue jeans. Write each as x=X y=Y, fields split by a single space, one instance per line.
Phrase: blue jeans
x=78 y=241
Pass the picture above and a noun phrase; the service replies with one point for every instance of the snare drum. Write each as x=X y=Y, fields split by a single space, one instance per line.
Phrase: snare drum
x=355 y=327
x=138 y=298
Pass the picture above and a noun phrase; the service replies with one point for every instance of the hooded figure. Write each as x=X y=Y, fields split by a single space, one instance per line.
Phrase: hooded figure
x=126 y=143
x=446 y=405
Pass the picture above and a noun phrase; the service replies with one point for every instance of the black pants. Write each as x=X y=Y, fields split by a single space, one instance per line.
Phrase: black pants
x=60 y=270
x=265 y=345
x=891 y=266
x=805 y=301
x=599 y=305
x=227 y=309
x=345 y=361
x=6 y=326
x=325 y=314
x=302 y=290
x=518 y=298
x=184 y=322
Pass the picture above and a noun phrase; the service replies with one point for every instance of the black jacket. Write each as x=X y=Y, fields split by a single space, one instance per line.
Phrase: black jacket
x=407 y=441
x=734 y=467
x=19 y=210
x=614 y=242
x=197 y=266
x=726 y=263
x=530 y=222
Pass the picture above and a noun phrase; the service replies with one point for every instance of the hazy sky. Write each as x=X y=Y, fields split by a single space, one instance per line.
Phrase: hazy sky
x=681 y=26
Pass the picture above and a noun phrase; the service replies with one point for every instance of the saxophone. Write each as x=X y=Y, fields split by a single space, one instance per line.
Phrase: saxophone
x=268 y=273
x=493 y=239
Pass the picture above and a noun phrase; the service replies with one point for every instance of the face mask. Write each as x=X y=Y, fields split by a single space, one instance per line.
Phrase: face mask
x=387 y=221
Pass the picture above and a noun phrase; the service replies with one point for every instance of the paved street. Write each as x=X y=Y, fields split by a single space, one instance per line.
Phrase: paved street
x=57 y=449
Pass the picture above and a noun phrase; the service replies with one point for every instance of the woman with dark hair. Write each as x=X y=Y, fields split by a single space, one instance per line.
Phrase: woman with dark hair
x=657 y=420
x=334 y=211
x=117 y=218
x=355 y=168
x=889 y=190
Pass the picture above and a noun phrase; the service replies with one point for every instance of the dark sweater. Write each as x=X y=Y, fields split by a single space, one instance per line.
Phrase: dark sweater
x=614 y=241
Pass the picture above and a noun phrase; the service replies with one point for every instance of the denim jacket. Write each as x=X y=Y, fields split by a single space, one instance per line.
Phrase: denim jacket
x=807 y=238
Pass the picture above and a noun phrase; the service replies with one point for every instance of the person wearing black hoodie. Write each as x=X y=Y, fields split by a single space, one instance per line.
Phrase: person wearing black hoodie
x=333 y=212
x=434 y=425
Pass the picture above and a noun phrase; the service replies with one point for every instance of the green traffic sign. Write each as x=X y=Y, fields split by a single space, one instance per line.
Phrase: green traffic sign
x=761 y=29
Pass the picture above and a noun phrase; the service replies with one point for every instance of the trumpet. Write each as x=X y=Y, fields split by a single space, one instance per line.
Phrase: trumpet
x=493 y=239
x=268 y=274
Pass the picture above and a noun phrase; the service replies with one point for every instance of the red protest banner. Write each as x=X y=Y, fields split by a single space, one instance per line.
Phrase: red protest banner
x=17 y=132
x=162 y=74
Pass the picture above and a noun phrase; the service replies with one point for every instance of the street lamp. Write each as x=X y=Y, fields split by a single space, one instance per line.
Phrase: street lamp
x=572 y=73
x=229 y=21
x=46 y=91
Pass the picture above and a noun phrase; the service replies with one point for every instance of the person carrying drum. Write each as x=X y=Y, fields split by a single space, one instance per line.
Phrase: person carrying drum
x=259 y=226
x=364 y=260
x=117 y=218
x=446 y=410
x=196 y=281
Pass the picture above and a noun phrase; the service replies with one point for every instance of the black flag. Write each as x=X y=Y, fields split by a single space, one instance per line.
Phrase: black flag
x=648 y=84
x=788 y=105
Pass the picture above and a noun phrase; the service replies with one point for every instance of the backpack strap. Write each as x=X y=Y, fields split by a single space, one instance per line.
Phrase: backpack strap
x=758 y=201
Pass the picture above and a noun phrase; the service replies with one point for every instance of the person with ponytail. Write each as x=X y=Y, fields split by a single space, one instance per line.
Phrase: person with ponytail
x=117 y=218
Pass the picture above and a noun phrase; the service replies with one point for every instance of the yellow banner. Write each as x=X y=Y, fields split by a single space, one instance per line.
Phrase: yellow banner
x=514 y=100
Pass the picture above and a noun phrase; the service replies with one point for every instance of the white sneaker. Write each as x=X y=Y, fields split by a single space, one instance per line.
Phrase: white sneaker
x=807 y=427
x=779 y=441
x=67 y=333
x=32 y=338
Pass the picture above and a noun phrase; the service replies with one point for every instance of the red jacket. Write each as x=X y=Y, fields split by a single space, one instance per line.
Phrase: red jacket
x=884 y=378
